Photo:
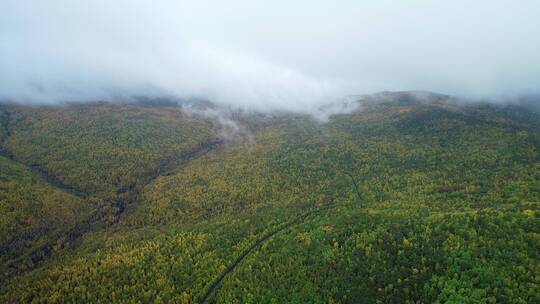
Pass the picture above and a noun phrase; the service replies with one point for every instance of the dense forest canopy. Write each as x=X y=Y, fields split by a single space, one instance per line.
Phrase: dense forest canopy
x=409 y=198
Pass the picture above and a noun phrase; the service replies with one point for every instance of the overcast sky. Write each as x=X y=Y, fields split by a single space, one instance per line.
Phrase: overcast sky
x=266 y=54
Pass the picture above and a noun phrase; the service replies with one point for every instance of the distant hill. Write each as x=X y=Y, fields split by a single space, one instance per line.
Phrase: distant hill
x=408 y=197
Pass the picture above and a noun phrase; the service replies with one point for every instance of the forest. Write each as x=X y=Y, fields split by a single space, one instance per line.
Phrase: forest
x=404 y=200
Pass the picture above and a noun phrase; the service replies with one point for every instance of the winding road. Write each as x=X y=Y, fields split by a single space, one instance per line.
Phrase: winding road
x=219 y=280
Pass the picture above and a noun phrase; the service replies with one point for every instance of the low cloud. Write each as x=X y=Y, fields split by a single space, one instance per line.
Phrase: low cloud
x=265 y=55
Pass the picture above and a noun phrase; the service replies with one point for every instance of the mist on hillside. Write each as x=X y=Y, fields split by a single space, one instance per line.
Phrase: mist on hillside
x=264 y=55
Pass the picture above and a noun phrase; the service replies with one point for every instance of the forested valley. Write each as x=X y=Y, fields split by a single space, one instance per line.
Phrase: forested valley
x=407 y=199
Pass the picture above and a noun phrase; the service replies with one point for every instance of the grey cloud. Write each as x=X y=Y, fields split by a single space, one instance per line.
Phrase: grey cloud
x=266 y=55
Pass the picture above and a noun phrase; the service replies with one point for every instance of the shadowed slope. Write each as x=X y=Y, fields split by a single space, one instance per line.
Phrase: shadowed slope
x=32 y=212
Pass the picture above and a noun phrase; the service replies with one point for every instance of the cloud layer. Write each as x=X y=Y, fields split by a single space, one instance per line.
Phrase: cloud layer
x=266 y=54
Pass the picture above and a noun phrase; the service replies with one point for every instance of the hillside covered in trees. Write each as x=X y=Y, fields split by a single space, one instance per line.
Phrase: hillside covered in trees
x=414 y=198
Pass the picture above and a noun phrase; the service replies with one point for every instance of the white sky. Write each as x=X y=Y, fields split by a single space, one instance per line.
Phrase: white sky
x=266 y=54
